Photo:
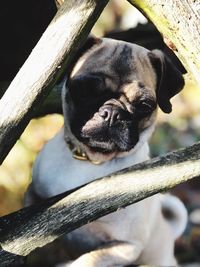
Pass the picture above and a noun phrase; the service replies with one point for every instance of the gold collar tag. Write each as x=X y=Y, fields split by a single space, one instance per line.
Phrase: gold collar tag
x=80 y=155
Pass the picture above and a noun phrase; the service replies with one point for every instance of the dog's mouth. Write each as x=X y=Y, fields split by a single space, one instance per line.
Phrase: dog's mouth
x=106 y=140
x=101 y=147
x=101 y=151
x=107 y=149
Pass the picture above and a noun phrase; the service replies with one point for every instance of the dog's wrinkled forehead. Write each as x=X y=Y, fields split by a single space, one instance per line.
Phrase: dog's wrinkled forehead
x=118 y=62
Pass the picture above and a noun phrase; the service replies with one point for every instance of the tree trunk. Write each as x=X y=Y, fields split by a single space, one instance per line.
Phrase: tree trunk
x=44 y=66
x=32 y=227
x=179 y=22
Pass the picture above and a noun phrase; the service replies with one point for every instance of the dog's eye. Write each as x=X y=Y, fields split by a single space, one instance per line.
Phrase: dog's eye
x=145 y=106
x=86 y=86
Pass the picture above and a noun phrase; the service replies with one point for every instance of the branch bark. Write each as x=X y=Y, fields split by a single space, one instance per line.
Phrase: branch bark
x=179 y=22
x=38 y=225
x=44 y=66
x=51 y=104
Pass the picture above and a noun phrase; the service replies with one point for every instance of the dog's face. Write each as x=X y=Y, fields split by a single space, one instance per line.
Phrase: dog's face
x=111 y=97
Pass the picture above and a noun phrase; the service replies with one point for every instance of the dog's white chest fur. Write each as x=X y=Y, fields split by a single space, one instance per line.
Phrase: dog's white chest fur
x=56 y=171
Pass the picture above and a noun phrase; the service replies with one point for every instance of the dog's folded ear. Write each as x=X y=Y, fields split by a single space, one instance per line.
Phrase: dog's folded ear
x=86 y=46
x=89 y=43
x=170 y=80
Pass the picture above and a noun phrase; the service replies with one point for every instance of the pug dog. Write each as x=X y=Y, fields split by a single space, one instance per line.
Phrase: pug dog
x=110 y=100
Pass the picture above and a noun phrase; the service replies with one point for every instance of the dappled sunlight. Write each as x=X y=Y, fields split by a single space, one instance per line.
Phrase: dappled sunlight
x=15 y=172
x=180 y=128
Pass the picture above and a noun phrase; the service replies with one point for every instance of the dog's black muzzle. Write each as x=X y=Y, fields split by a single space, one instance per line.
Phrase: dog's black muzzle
x=112 y=129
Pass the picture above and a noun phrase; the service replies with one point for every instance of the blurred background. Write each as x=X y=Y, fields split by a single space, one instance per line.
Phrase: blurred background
x=178 y=129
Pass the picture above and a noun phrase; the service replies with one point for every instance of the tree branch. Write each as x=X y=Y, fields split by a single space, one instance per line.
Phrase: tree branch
x=38 y=225
x=44 y=66
x=51 y=104
x=179 y=22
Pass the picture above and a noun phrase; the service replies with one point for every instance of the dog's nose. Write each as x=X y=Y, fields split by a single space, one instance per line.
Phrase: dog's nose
x=110 y=113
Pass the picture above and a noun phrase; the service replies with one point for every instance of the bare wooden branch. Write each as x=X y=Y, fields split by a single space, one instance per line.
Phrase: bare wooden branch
x=44 y=66
x=179 y=22
x=52 y=103
x=35 y=226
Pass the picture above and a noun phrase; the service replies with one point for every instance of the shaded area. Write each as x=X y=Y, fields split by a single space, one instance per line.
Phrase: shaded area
x=17 y=261
x=188 y=246
x=21 y=25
